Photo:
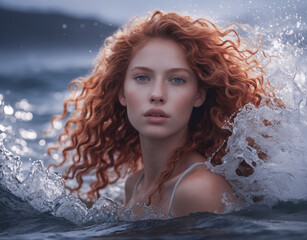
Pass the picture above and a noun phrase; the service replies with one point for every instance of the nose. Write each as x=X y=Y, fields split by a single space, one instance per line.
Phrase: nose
x=158 y=92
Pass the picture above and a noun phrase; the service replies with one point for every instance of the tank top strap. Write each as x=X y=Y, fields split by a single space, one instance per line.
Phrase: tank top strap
x=179 y=180
x=137 y=183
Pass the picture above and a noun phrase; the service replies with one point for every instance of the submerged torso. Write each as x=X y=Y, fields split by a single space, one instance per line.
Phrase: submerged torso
x=165 y=204
x=137 y=196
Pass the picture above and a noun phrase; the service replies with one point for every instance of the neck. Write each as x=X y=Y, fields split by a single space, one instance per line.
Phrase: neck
x=156 y=152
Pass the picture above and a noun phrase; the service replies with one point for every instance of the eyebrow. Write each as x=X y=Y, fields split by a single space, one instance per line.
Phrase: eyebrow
x=169 y=70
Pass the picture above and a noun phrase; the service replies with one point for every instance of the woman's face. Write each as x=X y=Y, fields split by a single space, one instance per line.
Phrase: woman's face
x=160 y=90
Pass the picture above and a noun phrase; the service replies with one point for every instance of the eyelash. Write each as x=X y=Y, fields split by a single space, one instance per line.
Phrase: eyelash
x=171 y=80
x=182 y=80
x=138 y=76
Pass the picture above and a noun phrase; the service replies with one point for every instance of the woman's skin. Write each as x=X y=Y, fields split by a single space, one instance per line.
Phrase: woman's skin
x=160 y=91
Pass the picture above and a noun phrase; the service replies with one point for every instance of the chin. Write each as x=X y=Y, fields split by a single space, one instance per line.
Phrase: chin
x=161 y=133
x=155 y=134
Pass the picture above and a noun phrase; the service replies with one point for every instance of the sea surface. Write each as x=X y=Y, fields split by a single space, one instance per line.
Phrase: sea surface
x=34 y=203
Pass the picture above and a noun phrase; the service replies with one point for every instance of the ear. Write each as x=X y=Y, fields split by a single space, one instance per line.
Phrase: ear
x=122 y=98
x=201 y=97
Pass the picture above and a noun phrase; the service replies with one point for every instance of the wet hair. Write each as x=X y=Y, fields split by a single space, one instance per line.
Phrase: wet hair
x=98 y=138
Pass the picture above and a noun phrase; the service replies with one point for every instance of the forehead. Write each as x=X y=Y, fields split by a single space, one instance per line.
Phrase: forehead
x=160 y=53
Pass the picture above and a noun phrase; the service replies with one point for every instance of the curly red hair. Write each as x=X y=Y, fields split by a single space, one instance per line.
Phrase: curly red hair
x=98 y=132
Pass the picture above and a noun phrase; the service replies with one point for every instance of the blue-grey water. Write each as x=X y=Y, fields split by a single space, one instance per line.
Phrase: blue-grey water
x=34 y=78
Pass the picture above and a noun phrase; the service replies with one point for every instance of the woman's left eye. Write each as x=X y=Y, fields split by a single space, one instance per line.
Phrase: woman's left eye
x=141 y=78
x=177 y=80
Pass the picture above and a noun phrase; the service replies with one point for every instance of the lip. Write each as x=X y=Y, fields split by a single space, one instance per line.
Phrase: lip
x=156 y=119
x=156 y=111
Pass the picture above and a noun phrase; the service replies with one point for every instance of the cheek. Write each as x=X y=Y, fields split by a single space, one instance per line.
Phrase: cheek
x=132 y=99
x=133 y=104
x=130 y=96
x=185 y=103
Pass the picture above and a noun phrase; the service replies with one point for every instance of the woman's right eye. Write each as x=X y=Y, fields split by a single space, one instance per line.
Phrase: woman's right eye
x=141 y=78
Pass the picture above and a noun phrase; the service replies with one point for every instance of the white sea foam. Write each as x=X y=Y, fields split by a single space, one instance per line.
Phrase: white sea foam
x=272 y=140
x=45 y=192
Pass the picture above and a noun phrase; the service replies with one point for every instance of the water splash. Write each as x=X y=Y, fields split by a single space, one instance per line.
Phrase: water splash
x=275 y=151
x=45 y=192
x=272 y=140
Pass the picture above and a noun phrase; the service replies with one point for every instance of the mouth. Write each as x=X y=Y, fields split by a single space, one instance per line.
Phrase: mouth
x=156 y=113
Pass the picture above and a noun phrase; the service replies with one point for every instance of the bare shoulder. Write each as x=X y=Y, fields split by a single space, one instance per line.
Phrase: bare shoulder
x=200 y=191
x=130 y=183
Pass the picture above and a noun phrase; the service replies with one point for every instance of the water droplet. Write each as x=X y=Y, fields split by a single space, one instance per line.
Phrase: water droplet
x=57 y=125
x=27 y=134
x=290 y=32
x=2 y=136
x=24 y=105
x=25 y=116
x=8 y=110
x=55 y=156
x=42 y=142
x=2 y=128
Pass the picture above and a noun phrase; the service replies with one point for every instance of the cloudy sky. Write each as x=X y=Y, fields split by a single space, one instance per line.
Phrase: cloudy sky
x=119 y=11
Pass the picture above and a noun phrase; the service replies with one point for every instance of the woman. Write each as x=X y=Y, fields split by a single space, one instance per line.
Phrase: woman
x=154 y=107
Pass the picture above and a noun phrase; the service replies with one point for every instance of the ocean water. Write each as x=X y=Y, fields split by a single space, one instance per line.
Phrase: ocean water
x=273 y=201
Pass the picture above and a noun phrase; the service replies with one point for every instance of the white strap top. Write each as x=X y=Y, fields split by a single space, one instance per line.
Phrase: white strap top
x=137 y=183
x=176 y=184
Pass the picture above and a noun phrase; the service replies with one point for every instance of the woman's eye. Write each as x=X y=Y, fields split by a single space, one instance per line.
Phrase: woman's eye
x=178 y=80
x=141 y=78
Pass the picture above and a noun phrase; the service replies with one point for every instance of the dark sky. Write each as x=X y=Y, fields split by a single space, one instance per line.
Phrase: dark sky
x=119 y=11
